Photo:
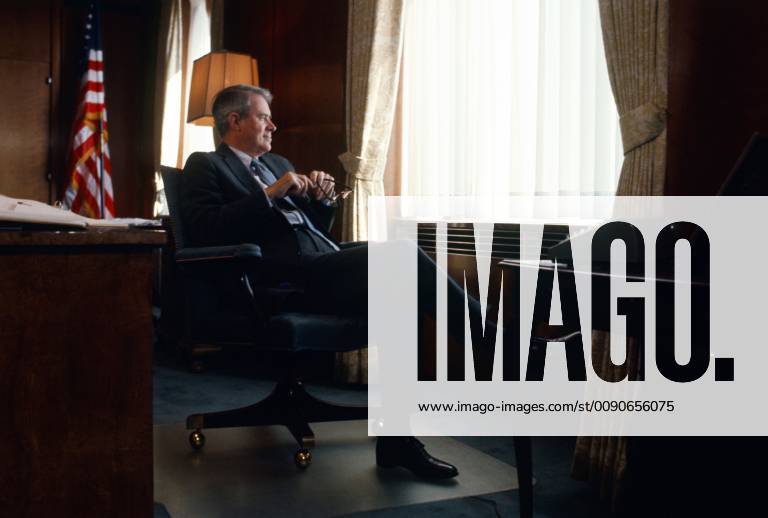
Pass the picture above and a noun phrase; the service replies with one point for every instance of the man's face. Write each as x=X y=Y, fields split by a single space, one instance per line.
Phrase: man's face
x=256 y=128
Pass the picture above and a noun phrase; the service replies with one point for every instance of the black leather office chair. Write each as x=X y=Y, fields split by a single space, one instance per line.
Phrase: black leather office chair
x=228 y=302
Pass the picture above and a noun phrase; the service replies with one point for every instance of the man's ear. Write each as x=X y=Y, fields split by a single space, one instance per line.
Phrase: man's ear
x=234 y=121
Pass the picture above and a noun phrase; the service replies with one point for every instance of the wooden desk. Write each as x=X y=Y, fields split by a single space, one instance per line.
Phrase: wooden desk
x=76 y=372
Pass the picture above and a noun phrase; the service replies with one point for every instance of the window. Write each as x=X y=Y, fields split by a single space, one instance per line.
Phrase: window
x=189 y=37
x=506 y=97
x=185 y=45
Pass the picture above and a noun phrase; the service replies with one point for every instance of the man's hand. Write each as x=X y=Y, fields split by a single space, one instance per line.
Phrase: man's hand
x=289 y=184
x=322 y=185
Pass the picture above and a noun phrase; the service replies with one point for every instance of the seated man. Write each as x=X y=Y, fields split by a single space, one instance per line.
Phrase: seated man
x=241 y=193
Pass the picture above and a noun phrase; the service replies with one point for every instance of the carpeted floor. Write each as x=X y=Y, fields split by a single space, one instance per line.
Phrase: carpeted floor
x=244 y=472
x=178 y=393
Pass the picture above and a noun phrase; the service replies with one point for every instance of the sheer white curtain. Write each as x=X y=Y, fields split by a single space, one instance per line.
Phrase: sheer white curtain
x=189 y=38
x=506 y=97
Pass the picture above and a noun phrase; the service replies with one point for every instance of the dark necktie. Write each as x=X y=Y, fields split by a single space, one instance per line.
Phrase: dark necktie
x=261 y=171
x=267 y=178
x=292 y=212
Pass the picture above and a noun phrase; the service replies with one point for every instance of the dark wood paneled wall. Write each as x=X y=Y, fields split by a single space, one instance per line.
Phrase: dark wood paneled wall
x=301 y=49
x=26 y=63
x=718 y=89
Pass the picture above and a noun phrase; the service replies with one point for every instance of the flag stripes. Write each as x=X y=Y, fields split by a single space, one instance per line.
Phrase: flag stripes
x=90 y=190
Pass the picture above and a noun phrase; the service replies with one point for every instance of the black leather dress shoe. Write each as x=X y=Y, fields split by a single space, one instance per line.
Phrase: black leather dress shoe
x=409 y=453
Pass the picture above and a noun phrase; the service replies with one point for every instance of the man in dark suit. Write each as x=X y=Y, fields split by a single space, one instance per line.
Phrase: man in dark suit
x=242 y=193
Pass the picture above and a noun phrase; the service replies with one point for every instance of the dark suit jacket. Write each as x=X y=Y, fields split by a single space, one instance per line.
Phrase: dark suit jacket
x=222 y=204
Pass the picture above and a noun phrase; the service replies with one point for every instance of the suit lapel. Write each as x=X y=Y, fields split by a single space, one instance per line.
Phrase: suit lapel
x=303 y=202
x=268 y=160
x=237 y=168
x=243 y=175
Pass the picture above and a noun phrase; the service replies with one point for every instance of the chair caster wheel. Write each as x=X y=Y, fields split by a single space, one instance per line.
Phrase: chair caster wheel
x=197 y=440
x=302 y=458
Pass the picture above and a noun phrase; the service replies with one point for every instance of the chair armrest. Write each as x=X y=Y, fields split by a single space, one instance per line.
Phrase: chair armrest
x=210 y=254
x=236 y=260
x=237 y=277
x=219 y=260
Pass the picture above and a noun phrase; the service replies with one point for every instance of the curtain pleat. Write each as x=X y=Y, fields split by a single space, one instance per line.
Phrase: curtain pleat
x=373 y=67
x=188 y=38
x=168 y=16
x=635 y=41
x=374 y=41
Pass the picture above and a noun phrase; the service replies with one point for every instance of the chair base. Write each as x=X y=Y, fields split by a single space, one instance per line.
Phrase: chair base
x=289 y=405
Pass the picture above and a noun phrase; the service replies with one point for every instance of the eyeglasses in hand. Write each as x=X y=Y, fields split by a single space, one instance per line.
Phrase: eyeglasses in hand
x=340 y=195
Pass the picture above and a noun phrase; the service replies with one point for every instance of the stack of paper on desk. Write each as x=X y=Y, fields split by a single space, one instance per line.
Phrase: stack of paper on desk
x=30 y=211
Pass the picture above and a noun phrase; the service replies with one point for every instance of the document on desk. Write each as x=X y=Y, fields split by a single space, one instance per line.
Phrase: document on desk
x=35 y=212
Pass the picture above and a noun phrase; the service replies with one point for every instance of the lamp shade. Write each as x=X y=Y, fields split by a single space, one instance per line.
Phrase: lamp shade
x=213 y=72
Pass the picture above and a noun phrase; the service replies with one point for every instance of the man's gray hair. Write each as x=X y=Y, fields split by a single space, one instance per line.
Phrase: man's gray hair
x=237 y=99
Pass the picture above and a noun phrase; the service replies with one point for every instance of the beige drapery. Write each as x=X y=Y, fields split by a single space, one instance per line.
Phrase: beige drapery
x=635 y=40
x=373 y=67
x=636 y=44
x=374 y=40
x=176 y=37
x=185 y=35
x=393 y=170
x=168 y=12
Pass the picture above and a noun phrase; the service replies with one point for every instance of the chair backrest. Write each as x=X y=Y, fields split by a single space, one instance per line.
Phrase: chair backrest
x=172 y=186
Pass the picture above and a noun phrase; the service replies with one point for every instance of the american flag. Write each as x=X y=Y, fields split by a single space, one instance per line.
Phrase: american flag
x=90 y=185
